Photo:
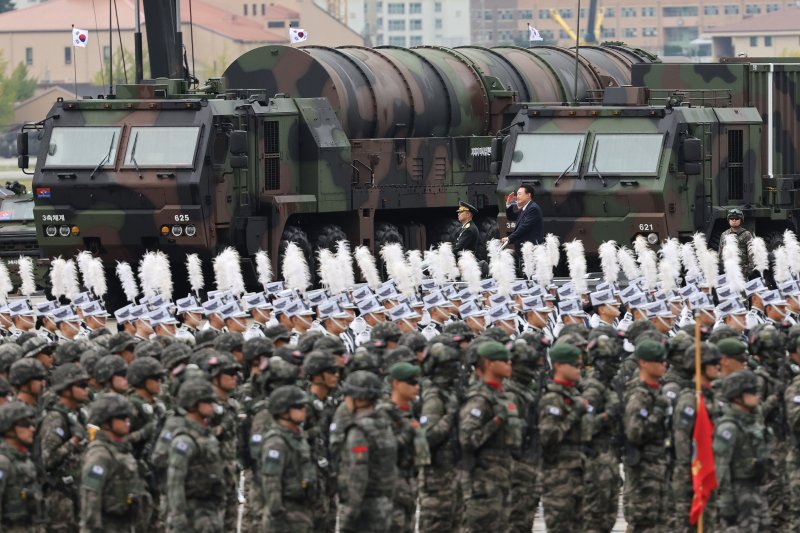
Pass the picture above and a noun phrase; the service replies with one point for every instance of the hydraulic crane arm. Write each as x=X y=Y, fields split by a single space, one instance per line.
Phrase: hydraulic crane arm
x=164 y=38
x=555 y=15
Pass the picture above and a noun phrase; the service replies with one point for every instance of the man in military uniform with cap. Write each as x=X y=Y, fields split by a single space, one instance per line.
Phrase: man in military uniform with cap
x=645 y=425
x=288 y=477
x=21 y=506
x=367 y=471
x=469 y=235
x=743 y=238
x=740 y=457
x=113 y=494
x=489 y=428
x=61 y=439
x=196 y=493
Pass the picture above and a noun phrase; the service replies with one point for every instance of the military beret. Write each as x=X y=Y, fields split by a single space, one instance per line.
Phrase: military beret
x=650 y=351
x=404 y=371
x=494 y=351
x=732 y=347
x=565 y=353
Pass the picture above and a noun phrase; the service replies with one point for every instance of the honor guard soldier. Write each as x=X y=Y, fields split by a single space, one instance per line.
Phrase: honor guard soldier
x=469 y=235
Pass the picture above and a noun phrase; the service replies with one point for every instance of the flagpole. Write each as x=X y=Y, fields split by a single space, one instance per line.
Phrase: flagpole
x=74 y=63
x=697 y=389
x=577 y=51
x=529 y=35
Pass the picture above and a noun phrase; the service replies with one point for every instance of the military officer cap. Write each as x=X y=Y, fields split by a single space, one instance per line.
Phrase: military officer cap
x=45 y=308
x=735 y=213
x=571 y=308
x=499 y=299
x=362 y=385
x=398 y=312
x=494 y=351
x=107 y=406
x=387 y=291
x=565 y=353
x=658 y=309
x=20 y=308
x=730 y=307
x=256 y=300
x=187 y=305
x=274 y=287
x=66 y=376
x=738 y=383
x=470 y=308
x=789 y=288
x=64 y=314
x=144 y=368
x=368 y=305
x=602 y=298
x=501 y=312
x=232 y=309
x=434 y=299
x=93 y=308
x=194 y=391
x=316 y=297
x=650 y=351
x=286 y=397
x=331 y=309
x=567 y=291
x=25 y=370
x=404 y=371
x=257 y=347
x=725 y=292
x=13 y=412
x=82 y=299
x=122 y=315
x=701 y=301
x=772 y=298
x=488 y=284
x=317 y=362
x=464 y=206
x=754 y=286
x=688 y=291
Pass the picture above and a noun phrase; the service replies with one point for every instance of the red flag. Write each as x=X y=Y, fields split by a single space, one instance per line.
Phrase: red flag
x=704 y=477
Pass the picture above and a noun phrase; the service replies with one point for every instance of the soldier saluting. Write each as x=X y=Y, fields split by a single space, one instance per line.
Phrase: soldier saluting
x=468 y=236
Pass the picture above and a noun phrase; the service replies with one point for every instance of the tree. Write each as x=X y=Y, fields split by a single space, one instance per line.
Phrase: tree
x=7 y=5
x=101 y=76
x=14 y=87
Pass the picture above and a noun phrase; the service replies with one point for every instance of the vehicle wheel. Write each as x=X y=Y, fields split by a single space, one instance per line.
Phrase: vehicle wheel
x=326 y=236
x=385 y=233
x=488 y=230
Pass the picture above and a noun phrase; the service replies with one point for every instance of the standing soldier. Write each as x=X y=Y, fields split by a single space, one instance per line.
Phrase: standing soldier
x=438 y=484
x=792 y=405
x=489 y=428
x=469 y=235
x=561 y=429
x=645 y=423
x=20 y=490
x=367 y=464
x=740 y=455
x=113 y=493
x=195 y=486
x=61 y=440
x=287 y=473
x=743 y=238
x=27 y=377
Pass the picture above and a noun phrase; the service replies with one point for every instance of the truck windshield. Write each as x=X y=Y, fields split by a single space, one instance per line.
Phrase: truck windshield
x=547 y=153
x=83 y=147
x=636 y=153
x=161 y=146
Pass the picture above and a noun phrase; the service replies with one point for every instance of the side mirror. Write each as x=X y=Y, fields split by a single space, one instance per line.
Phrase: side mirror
x=22 y=150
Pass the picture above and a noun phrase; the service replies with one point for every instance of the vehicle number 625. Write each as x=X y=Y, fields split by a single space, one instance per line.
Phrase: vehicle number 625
x=181 y=218
x=646 y=227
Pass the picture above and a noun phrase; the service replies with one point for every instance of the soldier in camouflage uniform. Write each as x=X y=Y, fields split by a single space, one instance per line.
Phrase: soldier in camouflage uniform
x=21 y=506
x=645 y=424
x=743 y=237
x=287 y=472
x=323 y=376
x=412 y=448
x=740 y=454
x=792 y=406
x=114 y=496
x=562 y=429
x=196 y=492
x=27 y=377
x=683 y=419
x=489 y=428
x=438 y=484
x=61 y=439
x=602 y=481
x=367 y=472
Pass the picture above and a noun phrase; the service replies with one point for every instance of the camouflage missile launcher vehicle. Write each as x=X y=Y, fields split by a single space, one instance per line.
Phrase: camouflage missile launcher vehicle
x=666 y=157
x=18 y=231
x=307 y=144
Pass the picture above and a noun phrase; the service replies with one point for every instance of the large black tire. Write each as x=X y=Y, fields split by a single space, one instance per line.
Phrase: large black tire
x=488 y=230
x=445 y=231
x=326 y=236
x=386 y=233
x=299 y=237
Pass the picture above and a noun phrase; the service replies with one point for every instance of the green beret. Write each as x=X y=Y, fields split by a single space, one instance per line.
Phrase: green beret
x=650 y=351
x=732 y=347
x=565 y=353
x=494 y=351
x=404 y=371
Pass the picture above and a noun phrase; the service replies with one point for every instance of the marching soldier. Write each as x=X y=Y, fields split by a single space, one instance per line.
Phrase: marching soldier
x=20 y=490
x=469 y=235
x=743 y=238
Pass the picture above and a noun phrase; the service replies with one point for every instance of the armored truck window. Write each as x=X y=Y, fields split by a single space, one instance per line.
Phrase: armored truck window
x=626 y=154
x=161 y=147
x=83 y=147
x=547 y=153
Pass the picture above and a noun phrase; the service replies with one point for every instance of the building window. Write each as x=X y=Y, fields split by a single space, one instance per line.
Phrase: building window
x=254 y=10
x=275 y=24
x=547 y=35
x=563 y=34
x=379 y=6
x=629 y=32
x=752 y=9
x=415 y=25
x=379 y=22
x=415 y=40
x=263 y=10
x=415 y=8
x=245 y=9
x=771 y=8
x=648 y=12
x=649 y=32
x=767 y=41
x=711 y=10
x=379 y=40
x=397 y=41
x=610 y=12
x=609 y=33
x=526 y=14
x=438 y=24
x=437 y=7
x=565 y=13
x=732 y=10
x=681 y=11
x=628 y=12
x=397 y=9
x=487 y=15
x=544 y=14
x=67 y=55
x=397 y=25
x=753 y=41
x=294 y=23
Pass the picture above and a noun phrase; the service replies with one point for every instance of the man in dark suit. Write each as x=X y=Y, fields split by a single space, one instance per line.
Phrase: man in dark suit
x=528 y=216
x=469 y=235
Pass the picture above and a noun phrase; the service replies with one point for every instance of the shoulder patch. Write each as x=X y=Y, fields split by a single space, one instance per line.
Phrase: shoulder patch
x=643 y=413
x=181 y=447
x=476 y=413
x=256 y=438
x=332 y=427
x=423 y=420
x=360 y=449
x=2 y=474
x=467 y=225
x=147 y=408
x=553 y=410
x=273 y=454
x=60 y=432
x=671 y=394
x=688 y=411
x=167 y=436
x=796 y=399
x=726 y=435
x=97 y=471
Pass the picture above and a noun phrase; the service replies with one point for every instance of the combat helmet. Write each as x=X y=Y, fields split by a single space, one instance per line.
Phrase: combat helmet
x=709 y=355
x=120 y=342
x=25 y=370
x=109 y=366
x=414 y=340
x=37 y=345
x=386 y=332
x=316 y=362
x=362 y=385
x=721 y=332
x=13 y=412
x=144 y=368
x=9 y=352
x=739 y=383
x=257 y=347
x=67 y=375
x=767 y=342
x=149 y=349
x=220 y=362
x=330 y=344
x=175 y=355
x=195 y=390
x=107 y=406
x=735 y=212
x=230 y=342
x=279 y=372
x=285 y=397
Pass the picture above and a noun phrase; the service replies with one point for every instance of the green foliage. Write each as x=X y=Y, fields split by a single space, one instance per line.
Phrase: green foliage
x=7 y=5
x=14 y=87
x=101 y=77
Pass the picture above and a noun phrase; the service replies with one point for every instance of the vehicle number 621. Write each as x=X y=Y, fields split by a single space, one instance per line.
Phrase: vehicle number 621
x=646 y=227
x=181 y=218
